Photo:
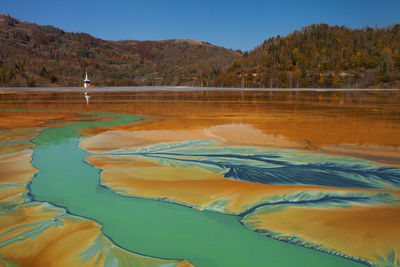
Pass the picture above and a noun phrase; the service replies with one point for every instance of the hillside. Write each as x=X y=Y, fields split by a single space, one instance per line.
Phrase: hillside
x=34 y=55
x=320 y=56
x=315 y=56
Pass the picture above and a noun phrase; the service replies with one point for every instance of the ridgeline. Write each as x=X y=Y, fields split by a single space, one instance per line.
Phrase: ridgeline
x=33 y=55
x=320 y=56
x=316 y=56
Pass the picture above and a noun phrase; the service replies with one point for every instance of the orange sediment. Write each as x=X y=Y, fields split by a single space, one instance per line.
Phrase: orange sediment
x=197 y=187
x=16 y=167
x=352 y=129
x=15 y=172
x=376 y=141
x=370 y=232
x=25 y=119
x=38 y=234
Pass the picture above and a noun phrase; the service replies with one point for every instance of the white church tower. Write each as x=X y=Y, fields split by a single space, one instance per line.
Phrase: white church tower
x=86 y=82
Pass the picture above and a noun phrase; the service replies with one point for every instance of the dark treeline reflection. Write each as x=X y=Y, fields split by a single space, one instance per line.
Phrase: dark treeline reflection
x=103 y=100
x=308 y=119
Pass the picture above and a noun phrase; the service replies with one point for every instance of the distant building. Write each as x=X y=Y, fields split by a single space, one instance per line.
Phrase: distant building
x=86 y=82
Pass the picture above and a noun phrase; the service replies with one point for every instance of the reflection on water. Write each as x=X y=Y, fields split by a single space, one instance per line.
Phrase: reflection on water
x=308 y=168
x=360 y=123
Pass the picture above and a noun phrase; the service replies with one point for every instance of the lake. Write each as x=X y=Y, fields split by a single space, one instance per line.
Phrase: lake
x=200 y=177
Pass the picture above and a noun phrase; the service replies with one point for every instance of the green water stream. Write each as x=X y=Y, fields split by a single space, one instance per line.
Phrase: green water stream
x=151 y=227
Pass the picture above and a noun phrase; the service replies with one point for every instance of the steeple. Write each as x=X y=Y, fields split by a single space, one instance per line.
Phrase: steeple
x=86 y=82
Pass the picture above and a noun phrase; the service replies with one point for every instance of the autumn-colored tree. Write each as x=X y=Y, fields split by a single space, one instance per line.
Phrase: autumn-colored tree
x=33 y=55
x=316 y=56
x=325 y=56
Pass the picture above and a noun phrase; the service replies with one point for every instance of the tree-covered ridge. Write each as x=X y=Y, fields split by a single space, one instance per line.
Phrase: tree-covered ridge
x=33 y=55
x=316 y=56
x=320 y=56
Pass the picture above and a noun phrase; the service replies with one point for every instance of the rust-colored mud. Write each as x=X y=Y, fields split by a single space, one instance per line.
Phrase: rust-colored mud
x=362 y=125
x=370 y=232
x=198 y=187
x=38 y=234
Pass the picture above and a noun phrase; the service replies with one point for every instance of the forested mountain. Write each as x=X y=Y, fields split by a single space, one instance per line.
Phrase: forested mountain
x=315 y=56
x=33 y=55
x=320 y=56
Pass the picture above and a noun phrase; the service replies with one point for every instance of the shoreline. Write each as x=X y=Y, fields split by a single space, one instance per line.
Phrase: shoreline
x=180 y=89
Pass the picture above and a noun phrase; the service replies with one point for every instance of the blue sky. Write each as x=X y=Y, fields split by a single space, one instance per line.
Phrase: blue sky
x=233 y=24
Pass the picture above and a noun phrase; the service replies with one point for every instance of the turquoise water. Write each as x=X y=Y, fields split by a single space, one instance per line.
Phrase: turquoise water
x=152 y=227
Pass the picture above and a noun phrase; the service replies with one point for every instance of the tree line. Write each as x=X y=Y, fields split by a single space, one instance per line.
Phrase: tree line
x=34 y=55
x=316 y=56
x=319 y=56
